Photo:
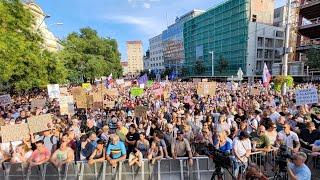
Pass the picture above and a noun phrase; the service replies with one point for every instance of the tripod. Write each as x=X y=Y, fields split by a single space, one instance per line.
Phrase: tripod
x=219 y=174
x=280 y=174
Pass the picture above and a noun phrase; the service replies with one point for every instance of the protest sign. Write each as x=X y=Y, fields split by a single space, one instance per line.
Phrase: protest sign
x=38 y=103
x=206 y=88
x=120 y=81
x=255 y=91
x=53 y=91
x=5 y=99
x=140 y=111
x=87 y=86
x=196 y=80
x=204 y=80
x=112 y=92
x=149 y=83
x=306 y=96
x=141 y=86
x=127 y=83
x=14 y=132
x=136 y=92
x=85 y=101
x=109 y=104
x=76 y=91
x=66 y=105
x=40 y=123
x=64 y=90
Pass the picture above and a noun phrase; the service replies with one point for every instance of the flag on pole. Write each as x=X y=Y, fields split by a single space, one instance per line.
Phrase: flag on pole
x=266 y=76
x=109 y=81
x=143 y=79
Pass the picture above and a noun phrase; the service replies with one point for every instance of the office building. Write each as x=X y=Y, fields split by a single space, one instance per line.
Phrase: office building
x=156 y=54
x=225 y=38
x=146 y=61
x=172 y=40
x=308 y=27
x=135 y=57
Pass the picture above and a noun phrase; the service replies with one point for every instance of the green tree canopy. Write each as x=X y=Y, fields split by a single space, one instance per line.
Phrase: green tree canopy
x=24 y=64
x=313 y=56
x=87 y=56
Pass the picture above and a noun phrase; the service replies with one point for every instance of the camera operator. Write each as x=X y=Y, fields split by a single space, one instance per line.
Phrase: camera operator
x=289 y=138
x=298 y=170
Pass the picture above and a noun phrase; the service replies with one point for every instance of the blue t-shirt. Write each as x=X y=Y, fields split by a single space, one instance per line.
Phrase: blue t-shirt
x=302 y=173
x=226 y=148
x=115 y=151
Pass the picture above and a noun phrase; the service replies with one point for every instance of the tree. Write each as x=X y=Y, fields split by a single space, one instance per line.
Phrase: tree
x=24 y=64
x=87 y=56
x=199 y=68
x=223 y=64
x=313 y=56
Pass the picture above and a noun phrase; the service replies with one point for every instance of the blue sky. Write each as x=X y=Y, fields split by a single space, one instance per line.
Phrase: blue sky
x=120 y=19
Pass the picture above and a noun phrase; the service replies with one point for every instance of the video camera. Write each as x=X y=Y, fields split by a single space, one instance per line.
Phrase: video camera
x=219 y=158
x=283 y=154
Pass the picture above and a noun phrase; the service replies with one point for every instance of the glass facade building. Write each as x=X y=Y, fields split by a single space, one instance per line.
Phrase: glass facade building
x=172 y=39
x=223 y=30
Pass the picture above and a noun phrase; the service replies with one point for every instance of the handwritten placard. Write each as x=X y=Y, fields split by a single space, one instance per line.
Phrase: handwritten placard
x=14 y=132
x=306 y=96
x=39 y=123
x=53 y=91
x=5 y=99
x=38 y=103
x=206 y=88
x=140 y=111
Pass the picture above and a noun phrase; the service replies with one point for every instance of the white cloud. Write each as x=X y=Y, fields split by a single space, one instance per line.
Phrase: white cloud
x=147 y=25
x=147 y=5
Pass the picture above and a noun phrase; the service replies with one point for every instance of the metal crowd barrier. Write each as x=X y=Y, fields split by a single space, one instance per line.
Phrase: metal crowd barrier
x=167 y=169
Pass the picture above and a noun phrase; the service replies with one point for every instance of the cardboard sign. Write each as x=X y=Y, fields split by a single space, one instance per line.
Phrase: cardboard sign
x=206 y=88
x=127 y=83
x=87 y=86
x=98 y=96
x=141 y=86
x=204 y=80
x=136 y=92
x=53 y=91
x=196 y=80
x=5 y=99
x=76 y=91
x=64 y=91
x=14 y=132
x=85 y=101
x=39 y=123
x=120 y=81
x=306 y=96
x=255 y=91
x=67 y=105
x=109 y=104
x=140 y=111
x=112 y=92
x=38 y=103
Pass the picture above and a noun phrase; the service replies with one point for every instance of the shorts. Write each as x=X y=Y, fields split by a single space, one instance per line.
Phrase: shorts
x=239 y=168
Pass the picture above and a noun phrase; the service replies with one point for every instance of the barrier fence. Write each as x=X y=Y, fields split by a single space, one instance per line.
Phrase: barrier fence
x=167 y=169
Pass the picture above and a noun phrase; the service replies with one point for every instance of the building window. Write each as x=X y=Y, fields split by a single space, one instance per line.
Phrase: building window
x=254 y=18
x=279 y=43
x=268 y=54
x=269 y=42
x=259 y=65
x=277 y=54
x=260 y=53
x=279 y=34
x=260 y=41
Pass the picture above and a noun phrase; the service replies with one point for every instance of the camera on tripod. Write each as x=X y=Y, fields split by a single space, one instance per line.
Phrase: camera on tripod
x=220 y=158
x=283 y=154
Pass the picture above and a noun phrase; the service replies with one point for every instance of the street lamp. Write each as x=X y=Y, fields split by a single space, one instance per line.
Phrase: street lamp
x=45 y=17
x=212 y=62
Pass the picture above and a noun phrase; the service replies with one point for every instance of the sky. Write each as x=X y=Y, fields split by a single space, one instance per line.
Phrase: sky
x=122 y=20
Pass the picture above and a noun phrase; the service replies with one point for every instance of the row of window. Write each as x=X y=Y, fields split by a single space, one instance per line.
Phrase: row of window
x=269 y=42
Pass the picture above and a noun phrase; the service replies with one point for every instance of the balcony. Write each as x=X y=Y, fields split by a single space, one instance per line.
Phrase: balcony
x=306 y=45
x=311 y=29
x=310 y=9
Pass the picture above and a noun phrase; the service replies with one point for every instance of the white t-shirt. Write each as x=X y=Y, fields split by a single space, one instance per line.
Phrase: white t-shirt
x=274 y=117
x=6 y=146
x=241 y=147
x=288 y=139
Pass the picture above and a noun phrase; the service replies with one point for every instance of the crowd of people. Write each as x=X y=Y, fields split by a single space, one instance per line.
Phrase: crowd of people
x=233 y=120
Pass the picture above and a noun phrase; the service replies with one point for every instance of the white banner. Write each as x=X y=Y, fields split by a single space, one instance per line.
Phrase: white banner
x=5 y=99
x=306 y=96
x=53 y=91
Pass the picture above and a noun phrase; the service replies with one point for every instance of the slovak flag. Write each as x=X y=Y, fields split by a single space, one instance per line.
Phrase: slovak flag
x=109 y=81
x=266 y=76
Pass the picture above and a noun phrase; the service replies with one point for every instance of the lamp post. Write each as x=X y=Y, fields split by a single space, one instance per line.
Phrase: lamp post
x=212 y=62
x=45 y=17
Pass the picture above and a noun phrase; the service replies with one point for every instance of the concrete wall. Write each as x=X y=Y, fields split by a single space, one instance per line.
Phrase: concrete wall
x=263 y=9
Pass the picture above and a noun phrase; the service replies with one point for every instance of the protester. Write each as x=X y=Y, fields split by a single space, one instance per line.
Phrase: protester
x=62 y=156
x=116 y=151
x=40 y=155
x=298 y=169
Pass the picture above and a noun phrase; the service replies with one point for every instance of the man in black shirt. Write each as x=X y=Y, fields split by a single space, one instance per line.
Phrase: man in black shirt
x=309 y=135
x=132 y=138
